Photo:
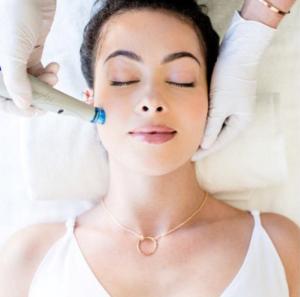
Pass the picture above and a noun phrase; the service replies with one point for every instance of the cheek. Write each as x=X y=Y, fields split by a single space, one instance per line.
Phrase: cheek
x=196 y=114
x=193 y=122
x=117 y=114
x=189 y=118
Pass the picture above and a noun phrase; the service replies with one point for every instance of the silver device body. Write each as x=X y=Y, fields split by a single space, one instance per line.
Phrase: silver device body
x=47 y=98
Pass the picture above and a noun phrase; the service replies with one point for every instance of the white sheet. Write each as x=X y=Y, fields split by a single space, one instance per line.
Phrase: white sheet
x=280 y=72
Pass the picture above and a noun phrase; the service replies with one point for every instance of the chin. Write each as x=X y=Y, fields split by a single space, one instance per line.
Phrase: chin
x=155 y=165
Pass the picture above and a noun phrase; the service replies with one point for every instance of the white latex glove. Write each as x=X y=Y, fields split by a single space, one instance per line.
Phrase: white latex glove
x=233 y=86
x=25 y=25
x=47 y=75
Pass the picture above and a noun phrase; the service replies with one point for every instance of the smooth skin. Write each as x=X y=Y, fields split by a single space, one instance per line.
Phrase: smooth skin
x=140 y=194
x=226 y=231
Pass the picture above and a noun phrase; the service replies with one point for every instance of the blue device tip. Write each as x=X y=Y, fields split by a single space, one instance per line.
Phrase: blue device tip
x=99 y=117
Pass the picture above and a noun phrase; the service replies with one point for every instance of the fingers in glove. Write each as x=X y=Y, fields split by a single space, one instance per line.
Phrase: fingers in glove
x=21 y=92
x=9 y=107
x=212 y=130
x=47 y=74
x=39 y=69
x=49 y=78
x=17 y=84
x=233 y=125
x=52 y=67
x=36 y=70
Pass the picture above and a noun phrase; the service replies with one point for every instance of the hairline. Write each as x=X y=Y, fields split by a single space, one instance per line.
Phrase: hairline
x=184 y=19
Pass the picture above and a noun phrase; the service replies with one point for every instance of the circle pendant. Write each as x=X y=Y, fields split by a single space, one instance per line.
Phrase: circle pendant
x=144 y=245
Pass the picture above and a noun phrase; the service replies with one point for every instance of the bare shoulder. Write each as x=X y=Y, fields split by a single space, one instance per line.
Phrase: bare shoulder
x=22 y=253
x=285 y=235
x=283 y=232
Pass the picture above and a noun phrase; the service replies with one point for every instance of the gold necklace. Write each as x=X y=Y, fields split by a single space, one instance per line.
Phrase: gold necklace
x=153 y=240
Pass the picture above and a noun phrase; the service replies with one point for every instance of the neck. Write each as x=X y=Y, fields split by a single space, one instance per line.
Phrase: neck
x=152 y=205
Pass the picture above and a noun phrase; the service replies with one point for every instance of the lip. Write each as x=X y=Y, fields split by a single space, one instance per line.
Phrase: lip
x=155 y=138
x=152 y=128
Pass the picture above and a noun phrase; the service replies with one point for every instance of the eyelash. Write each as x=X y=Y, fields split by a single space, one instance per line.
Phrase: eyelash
x=121 y=83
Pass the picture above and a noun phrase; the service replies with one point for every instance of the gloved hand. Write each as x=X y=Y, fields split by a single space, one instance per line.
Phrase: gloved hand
x=25 y=25
x=233 y=86
x=47 y=75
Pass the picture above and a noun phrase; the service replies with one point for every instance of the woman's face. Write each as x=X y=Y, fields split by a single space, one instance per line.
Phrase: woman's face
x=153 y=36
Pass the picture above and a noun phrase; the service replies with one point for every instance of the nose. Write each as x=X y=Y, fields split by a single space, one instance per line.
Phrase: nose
x=151 y=104
x=147 y=108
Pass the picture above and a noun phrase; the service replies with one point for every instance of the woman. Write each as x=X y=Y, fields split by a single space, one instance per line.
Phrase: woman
x=158 y=233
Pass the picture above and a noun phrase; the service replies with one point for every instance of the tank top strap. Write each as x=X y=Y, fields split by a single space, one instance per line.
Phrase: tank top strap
x=256 y=215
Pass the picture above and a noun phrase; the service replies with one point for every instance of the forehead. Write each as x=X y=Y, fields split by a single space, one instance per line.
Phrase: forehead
x=149 y=33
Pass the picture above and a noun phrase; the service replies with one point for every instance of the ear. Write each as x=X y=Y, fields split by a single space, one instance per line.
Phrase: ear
x=88 y=96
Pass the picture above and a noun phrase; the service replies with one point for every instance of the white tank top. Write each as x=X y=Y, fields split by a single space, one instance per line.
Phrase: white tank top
x=64 y=271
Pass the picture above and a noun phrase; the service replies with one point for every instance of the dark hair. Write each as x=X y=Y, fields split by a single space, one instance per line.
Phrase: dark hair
x=188 y=10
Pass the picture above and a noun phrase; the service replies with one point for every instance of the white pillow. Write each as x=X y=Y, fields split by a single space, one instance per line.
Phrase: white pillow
x=62 y=158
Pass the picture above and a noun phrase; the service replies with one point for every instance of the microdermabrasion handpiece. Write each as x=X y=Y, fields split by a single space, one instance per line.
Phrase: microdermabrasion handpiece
x=47 y=98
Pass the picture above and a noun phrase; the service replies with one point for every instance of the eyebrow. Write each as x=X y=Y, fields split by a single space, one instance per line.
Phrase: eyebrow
x=167 y=59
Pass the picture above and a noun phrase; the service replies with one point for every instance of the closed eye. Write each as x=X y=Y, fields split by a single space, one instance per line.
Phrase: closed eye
x=121 y=83
x=181 y=85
